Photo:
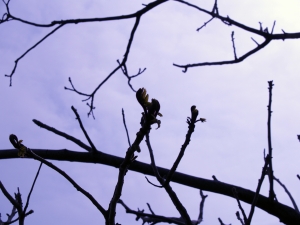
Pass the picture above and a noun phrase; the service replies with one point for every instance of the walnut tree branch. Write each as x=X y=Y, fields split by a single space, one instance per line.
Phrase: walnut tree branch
x=180 y=208
x=283 y=212
x=288 y=193
x=230 y=22
x=271 y=179
x=83 y=130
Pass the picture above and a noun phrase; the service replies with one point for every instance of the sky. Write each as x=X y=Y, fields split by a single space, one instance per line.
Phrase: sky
x=233 y=99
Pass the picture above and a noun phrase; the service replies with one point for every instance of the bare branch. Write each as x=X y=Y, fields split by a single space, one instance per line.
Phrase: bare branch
x=233 y=46
x=68 y=178
x=151 y=218
x=204 y=25
x=191 y=122
x=149 y=115
x=239 y=218
x=228 y=21
x=235 y=193
x=271 y=179
x=10 y=198
x=67 y=136
x=254 y=41
x=288 y=193
x=150 y=209
x=283 y=212
x=180 y=208
x=201 y=208
x=159 y=186
x=221 y=222
x=25 y=53
x=124 y=122
x=83 y=130
x=28 y=197
x=240 y=59
x=256 y=196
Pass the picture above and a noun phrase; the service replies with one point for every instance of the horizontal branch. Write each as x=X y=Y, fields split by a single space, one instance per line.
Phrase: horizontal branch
x=147 y=8
x=237 y=60
x=284 y=213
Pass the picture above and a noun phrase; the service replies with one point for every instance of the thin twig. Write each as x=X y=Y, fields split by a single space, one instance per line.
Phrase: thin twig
x=204 y=25
x=25 y=53
x=233 y=45
x=288 y=193
x=124 y=122
x=155 y=185
x=191 y=128
x=221 y=222
x=150 y=209
x=201 y=208
x=181 y=209
x=255 y=41
x=240 y=59
x=28 y=197
x=151 y=218
x=15 y=220
x=215 y=9
x=235 y=193
x=273 y=26
x=62 y=134
x=83 y=130
x=68 y=178
x=260 y=181
x=239 y=218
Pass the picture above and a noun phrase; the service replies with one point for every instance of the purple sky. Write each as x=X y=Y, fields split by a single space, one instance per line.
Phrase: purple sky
x=232 y=98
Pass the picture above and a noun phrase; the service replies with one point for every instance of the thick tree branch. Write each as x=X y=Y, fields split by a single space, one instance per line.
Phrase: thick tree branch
x=284 y=213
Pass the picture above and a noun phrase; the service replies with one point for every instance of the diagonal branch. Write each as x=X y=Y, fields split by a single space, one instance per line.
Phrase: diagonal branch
x=288 y=193
x=25 y=53
x=83 y=130
x=180 y=208
x=62 y=134
x=91 y=96
x=124 y=122
x=191 y=123
x=233 y=45
x=68 y=178
x=256 y=196
x=28 y=197
x=235 y=193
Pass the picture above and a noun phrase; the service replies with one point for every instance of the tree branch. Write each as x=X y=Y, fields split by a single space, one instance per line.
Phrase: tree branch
x=271 y=179
x=284 y=213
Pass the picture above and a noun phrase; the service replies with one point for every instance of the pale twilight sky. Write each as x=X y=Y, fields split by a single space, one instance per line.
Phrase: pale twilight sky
x=232 y=98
